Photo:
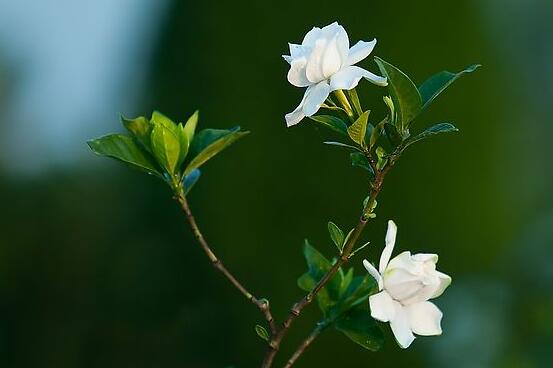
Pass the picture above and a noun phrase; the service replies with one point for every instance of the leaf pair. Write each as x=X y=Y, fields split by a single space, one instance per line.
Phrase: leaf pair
x=161 y=147
x=407 y=101
x=343 y=300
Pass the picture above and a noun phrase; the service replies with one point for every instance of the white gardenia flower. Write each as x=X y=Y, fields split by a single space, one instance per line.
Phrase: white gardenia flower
x=406 y=283
x=323 y=63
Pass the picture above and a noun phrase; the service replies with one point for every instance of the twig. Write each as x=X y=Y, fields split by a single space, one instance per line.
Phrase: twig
x=306 y=343
x=295 y=311
x=262 y=304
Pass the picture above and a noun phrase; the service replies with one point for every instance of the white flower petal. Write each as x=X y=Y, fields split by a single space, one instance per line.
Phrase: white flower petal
x=401 y=326
x=347 y=78
x=311 y=37
x=297 y=51
x=296 y=74
x=374 y=273
x=389 y=248
x=445 y=281
x=402 y=285
x=331 y=59
x=297 y=115
x=315 y=96
x=382 y=307
x=425 y=257
x=424 y=318
x=359 y=51
x=314 y=69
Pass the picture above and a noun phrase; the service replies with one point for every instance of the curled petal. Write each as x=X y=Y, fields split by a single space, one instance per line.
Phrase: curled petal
x=425 y=257
x=359 y=51
x=388 y=249
x=296 y=74
x=332 y=59
x=349 y=76
x=444 y=282
x=311 y=37
x=374 y=273
x=382 y=306
x=424 y=318
x=315 y=96
x=401 y=326
x=314 y=69
x=297 y=115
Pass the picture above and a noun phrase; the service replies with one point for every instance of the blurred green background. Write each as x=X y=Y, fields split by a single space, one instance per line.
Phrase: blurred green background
x=98 y=268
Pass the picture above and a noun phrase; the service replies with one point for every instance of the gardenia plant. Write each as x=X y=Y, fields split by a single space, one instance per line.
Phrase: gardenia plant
x=400 y=290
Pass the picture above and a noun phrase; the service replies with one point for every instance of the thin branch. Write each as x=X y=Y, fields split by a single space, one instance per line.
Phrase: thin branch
x=306 y=343
x=262 y=304
x=297 y=308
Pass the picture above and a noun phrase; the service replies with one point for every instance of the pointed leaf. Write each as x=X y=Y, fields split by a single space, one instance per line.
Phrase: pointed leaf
x=213 y=149
x=140 y=128
x=358 y=129
x=437 y=83
x=433 y=130
x=190 y=126
x=336 y=234
x=160 y=119
x=166 y=147
x=206 y=137
x=184 y=143
x=125 y=149
x=358 y=159
x=405 y=95
x=361 y=328
x=331 y=122
x=340 y=144
x=354 y=98
x=191 y=179
x=262 y=332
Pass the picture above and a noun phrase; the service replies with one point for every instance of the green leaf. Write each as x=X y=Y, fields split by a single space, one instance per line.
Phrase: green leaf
x=125 y=149
x=206 y=137
x=160 y=119
x=358 y=159
x=358 y=129
x=354 y=98
x=336 y=234
x=358 y=290
x=190 y=126
x=388 y=101
x=405 y=95
x=346 y=281
x=140 y=128
x=262 y=332
x=392 y=134
x=166 y=147
x=433 y=130
x=382 y=158
x=331 y=122
x=340 y=144
x=375 y=134
x=191 y=179
x=184 y=143
x=437 y=83
x=213 y=149
x=361 y=328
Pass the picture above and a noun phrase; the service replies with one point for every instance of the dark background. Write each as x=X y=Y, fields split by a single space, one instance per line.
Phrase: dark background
x=98 y=268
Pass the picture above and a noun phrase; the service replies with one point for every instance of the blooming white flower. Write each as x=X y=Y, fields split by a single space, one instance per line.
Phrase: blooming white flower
x=323 y=63
x=406 y=283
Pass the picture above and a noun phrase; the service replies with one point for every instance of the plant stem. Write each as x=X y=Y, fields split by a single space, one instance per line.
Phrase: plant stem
x=262 y=304
x=343 y=100
x=295 y=311
x=306 y=343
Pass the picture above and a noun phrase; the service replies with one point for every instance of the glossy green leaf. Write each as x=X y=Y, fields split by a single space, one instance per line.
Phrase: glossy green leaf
x=437 y=83
x=190 y=180
x=346 y=282
x=166 y=147
x=358 y=159
x=125 y=149
x=382 y=158
x=190 y=126
x=433 y=130
x=354 y=98
x=184 y=143
x=405 y=95
x=213 y=149
x=205 y=137
x=392 y=112
x=331 y=122
x=392 y=134
x=376 y=132
x=140 y=128
x=160 y=119
x=358 y=129
x=336 y=234
x=262 y=332
x=359 y=289
x=361 y=328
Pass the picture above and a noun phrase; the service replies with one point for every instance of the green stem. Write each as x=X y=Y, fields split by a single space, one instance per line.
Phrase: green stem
x=343 y=101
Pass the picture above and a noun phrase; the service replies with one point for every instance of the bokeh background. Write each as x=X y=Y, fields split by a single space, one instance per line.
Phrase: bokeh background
x=97 y=267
